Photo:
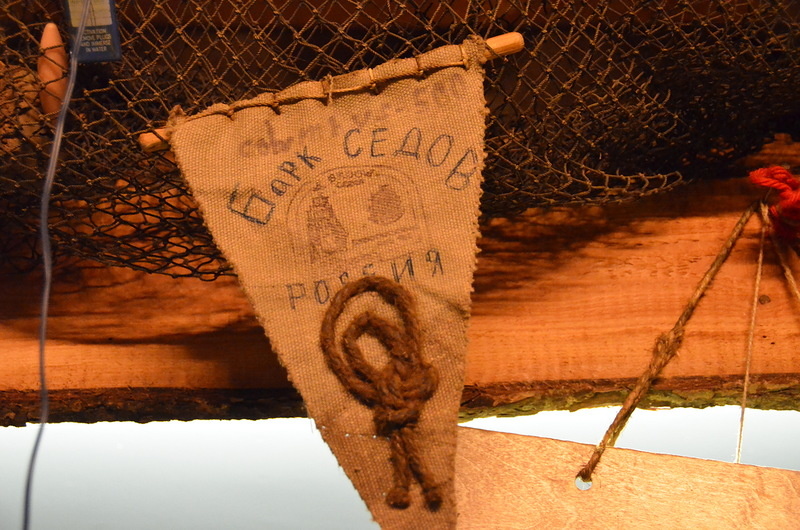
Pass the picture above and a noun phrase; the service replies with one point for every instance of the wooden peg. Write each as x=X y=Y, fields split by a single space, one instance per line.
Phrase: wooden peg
x=152 y=142
x=52 y=69
x=504 y=44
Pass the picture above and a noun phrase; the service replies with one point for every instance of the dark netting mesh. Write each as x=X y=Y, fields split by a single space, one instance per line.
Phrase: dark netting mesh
x=611 y=99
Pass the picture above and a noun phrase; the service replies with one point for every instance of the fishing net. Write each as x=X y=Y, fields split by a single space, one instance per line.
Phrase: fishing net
x=611 y=99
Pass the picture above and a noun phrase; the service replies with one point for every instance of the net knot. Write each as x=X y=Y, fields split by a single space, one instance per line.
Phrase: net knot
x=785 y=214
x=397 y=392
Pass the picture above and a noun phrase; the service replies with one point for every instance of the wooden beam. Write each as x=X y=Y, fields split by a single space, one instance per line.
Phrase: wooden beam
x=567 y=305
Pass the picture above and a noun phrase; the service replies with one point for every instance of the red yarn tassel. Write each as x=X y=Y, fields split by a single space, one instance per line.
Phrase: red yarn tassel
x=785 y=214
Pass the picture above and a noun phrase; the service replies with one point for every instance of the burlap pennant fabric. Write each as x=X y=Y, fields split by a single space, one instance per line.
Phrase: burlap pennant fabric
x=348 y=208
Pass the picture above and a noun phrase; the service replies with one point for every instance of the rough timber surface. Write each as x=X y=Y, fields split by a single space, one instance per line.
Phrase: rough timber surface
x=567 y=305
x=506 y=481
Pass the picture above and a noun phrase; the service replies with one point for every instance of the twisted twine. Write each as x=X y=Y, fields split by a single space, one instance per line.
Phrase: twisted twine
x=664 y=350
x=397 y=392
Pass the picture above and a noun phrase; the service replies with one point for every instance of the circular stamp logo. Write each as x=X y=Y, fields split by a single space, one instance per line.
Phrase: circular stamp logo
x=356 y=215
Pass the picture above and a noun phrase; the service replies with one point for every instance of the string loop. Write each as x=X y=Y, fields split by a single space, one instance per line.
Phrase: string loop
x=395 y=393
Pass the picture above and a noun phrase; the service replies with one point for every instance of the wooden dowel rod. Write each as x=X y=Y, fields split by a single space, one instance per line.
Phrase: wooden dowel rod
x=499 y=46
x=152 y=142
x=505 y=44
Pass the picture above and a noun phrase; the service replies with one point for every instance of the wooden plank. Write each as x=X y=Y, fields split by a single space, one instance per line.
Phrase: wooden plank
x=567 y=305
x=587 y=296
x=518 y=482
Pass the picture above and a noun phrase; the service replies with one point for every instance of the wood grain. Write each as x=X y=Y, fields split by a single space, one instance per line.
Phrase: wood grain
x=508 y=481
x=567 y=305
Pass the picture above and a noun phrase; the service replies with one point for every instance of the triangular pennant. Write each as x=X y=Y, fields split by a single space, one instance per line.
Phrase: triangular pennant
x=348 y=208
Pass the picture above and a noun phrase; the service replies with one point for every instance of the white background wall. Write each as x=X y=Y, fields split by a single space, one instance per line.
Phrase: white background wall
x=278 y=474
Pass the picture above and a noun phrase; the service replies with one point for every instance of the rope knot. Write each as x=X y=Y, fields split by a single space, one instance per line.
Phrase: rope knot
x=785 y=214
x=396 y=392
